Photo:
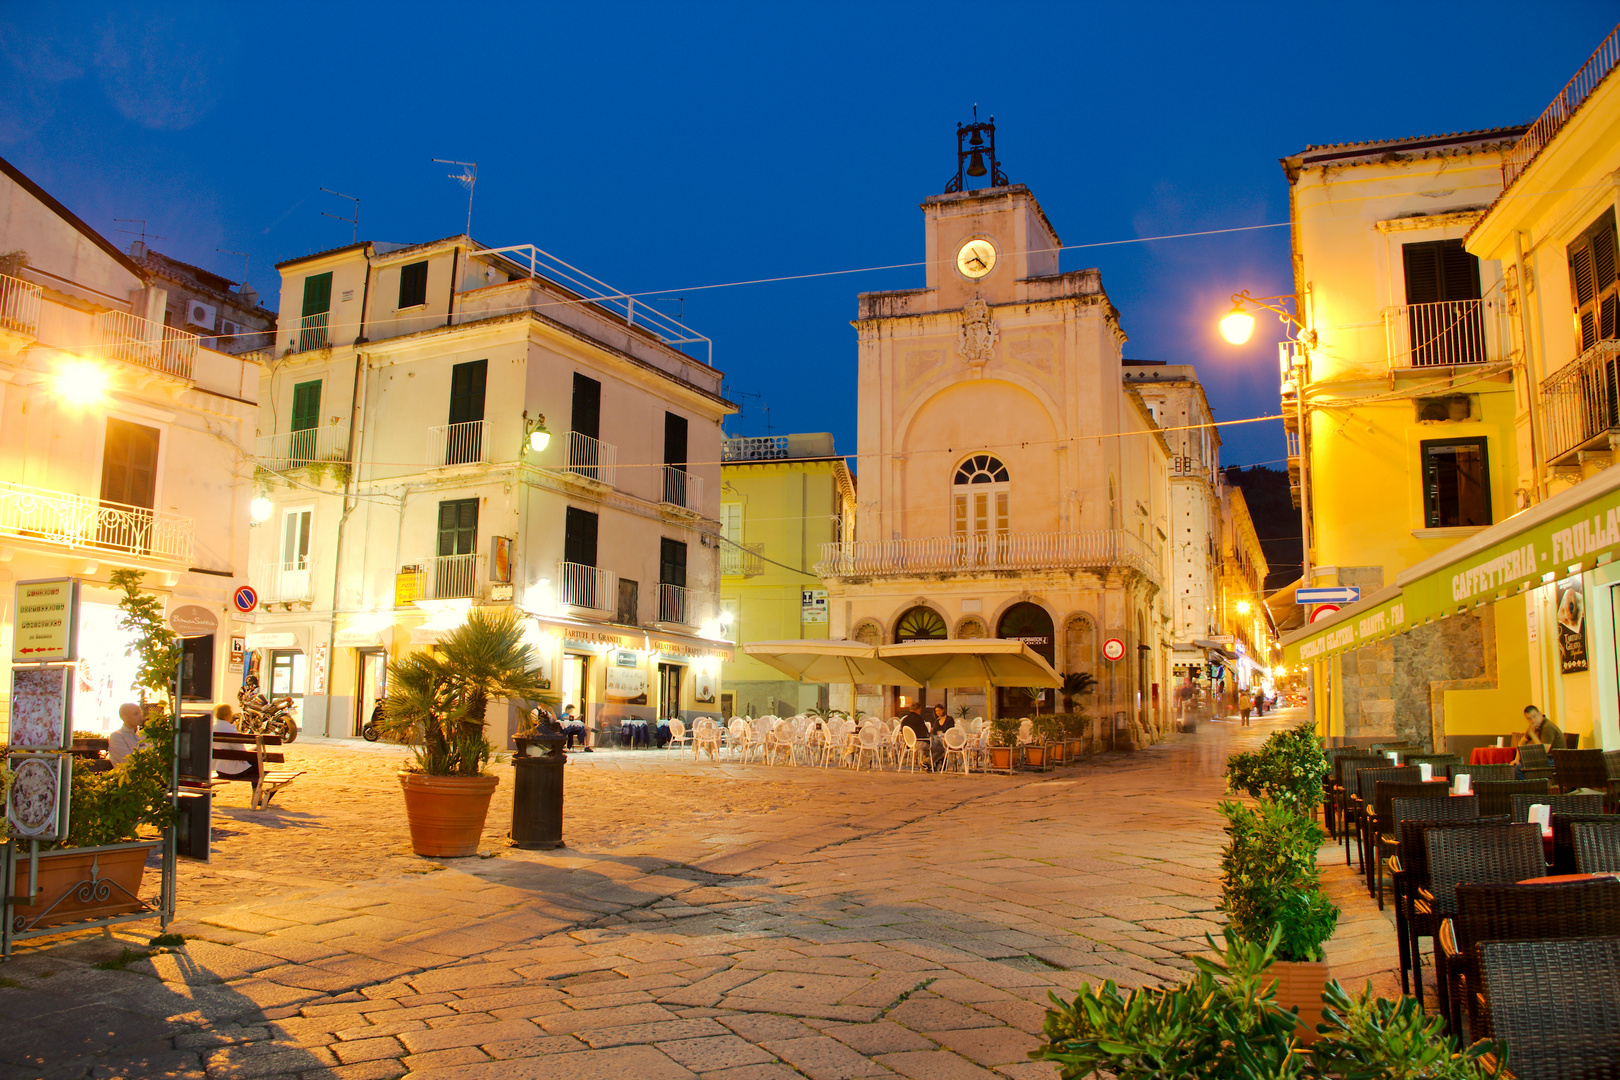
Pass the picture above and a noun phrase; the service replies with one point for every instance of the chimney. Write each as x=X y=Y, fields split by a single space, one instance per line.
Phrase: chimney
x=250 y=296
x=137 y=250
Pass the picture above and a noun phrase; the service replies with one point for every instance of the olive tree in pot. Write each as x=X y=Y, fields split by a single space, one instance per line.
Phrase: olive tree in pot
x=436 y=704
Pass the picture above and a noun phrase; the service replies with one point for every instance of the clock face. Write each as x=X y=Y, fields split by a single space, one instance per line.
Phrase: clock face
x=976 y=258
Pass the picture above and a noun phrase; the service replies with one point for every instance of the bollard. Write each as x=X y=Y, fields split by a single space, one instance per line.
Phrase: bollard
x=537 y=791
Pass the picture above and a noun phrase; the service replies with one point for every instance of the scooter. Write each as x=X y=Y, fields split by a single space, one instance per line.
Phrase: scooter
x=370 y=731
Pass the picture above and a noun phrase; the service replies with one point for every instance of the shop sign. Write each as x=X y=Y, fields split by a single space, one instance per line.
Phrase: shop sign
x=812 y=605
x=193 y=620
x=410 y=585
x=1571 y=619
x=500 y=593
x=47 y=621
x=584 y=639
x=238 y=650
x=273 y=641
x=627 y=683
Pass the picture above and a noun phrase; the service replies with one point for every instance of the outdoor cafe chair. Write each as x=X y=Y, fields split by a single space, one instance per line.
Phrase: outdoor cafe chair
x=1534 y=763
x=1559 y=804
x=1413 y=794
x=1597 y=847
x=1026 y=731
x=1556 y=1005
x=868 y=747
x=1563 y=839
x=1496 y=796
x=1513 y=912
x=908 y=749
x=1478 y=773
x=780 y=743
x=707 y=737
x=1409 y=872
x=678 y=738
x=1347 y=790
x=1362 y=806
x=1472 y=854
x=1336 y=780
x=737 y=737
x=1578 y=769
x=956 y=746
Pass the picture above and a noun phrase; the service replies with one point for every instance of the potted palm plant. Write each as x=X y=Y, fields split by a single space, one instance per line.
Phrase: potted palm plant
x=437 y=704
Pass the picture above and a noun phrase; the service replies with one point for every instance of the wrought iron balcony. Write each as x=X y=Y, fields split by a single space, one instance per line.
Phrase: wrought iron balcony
x=592 y=459
x=1555 y=115
x=19 y=305
x=283 y=582
x=58 y=517
x=741 y=560
x=677 y=487
x=987 y=551
x=1443 y=334
x=295 y=449
x=589 y=588
x=676 y=605
x=1581 y=403
x=454 y=577
x=456 y=444
x=134 y=340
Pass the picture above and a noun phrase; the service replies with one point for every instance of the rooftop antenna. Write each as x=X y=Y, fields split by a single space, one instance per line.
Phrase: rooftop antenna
x=244 y=256
x=131 y=232
x=355 y=221
x=680 y=313
x=467 y=178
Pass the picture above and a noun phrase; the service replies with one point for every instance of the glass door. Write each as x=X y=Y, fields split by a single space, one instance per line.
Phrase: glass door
x=372 y=675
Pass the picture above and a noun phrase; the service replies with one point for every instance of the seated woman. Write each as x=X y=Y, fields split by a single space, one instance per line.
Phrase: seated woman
x=226 y=768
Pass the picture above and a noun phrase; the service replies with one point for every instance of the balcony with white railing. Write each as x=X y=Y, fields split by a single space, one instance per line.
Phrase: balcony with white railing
x=679 y=488
x=676 y=604
x=1581 y=402
x=1443 y=334
x=19 y=305
x=295 y=449
x=741 y=560
x=591 y=459
x=67 y=520
x=280 y=582
x=1557 y=114
x=134 y=340
x=314 y=332
x=987 y=551
x=456 y=444
x=454 y=577
x=588 y=588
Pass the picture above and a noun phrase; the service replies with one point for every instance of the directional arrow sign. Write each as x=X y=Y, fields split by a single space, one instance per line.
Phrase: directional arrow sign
x=1337 y=594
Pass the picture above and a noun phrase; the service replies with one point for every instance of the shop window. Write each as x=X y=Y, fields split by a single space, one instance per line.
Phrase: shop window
x=197 y=669
x=286 y=674
x=1456 y=483
x=413 y=284
x=1594 y=283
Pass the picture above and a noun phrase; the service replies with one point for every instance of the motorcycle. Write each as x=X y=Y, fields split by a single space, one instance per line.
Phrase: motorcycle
x=370 y=732
x=263 y=716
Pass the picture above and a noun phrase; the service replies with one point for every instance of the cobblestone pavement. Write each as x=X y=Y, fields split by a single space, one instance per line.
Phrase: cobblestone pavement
x=732 y=922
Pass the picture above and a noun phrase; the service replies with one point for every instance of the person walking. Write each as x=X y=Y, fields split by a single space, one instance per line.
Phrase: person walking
x=1245 y=705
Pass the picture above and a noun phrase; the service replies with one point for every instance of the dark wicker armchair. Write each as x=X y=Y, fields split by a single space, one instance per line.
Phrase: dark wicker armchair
x=1409 y=871
x=1569 y=909
x=1383 y=839
x=1561 y=804
x=1534 y=762
x=1563 y=856
x=1367 y=781
x=1580 y=769
x=1597 y=847
x=1471 y=854
x=1556 y=1004
x=1344 y=787
x=1477 y=773
x=1496 y=796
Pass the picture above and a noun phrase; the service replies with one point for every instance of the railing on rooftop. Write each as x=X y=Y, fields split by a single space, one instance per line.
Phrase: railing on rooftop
x=636 y=312
x=1556 y=115
x=754 y=448
x=60 y=517
x=134 y=340
x=1581 y=402
x=19 y=305
x=295 y=449
x=986 y=551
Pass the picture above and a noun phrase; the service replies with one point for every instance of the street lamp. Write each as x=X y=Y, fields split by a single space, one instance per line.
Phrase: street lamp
x=535 y=435
x=1242 y=607
x=259 y=509
x=81 y=382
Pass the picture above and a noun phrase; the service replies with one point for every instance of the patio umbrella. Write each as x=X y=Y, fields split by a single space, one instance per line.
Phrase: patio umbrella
x=986 y=662
x=823 y=660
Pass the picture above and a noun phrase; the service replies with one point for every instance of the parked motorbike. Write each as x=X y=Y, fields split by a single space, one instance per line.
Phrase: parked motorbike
x=264 y=716
x=370 y=731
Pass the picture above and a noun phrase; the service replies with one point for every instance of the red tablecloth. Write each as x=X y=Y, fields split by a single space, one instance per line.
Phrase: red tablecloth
x=1557 y=878
x=1493 y=755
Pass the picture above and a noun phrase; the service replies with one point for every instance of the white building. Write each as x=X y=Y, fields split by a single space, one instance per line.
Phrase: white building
x=402 y=488
x=122 y=444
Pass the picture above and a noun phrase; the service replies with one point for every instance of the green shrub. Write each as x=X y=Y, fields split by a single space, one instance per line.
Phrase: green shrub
x=1287 y=769
x=1270 y=881
x=1004 y=732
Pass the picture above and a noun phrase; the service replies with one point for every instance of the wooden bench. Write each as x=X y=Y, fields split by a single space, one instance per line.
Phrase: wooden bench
x=261 y=750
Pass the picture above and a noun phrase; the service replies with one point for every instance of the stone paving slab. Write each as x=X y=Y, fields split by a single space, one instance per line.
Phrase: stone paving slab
x=711 y=920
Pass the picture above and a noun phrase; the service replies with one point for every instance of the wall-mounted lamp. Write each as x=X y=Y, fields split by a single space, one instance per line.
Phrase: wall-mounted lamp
x=535 y=435
x=259 y=509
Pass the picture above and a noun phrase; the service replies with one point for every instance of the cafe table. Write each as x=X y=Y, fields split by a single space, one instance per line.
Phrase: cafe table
x=1493 y=755
x=1556 y=879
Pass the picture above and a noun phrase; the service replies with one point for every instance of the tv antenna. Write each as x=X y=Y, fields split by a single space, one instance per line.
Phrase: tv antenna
x=244 y=256
x=467 y=177
x=738 y=396
x=131 y=232
x=680 y=312
x=355 y=221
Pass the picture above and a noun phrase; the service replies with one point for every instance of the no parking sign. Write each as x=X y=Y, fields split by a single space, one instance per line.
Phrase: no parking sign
x=245 y=599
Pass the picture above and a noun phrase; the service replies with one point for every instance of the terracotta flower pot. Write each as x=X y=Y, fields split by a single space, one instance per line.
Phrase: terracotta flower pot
x=446 y=813
x=1001 y=759
x=1057 y=752
x=1035 y=758
x=78 y=884
x=1299 y=985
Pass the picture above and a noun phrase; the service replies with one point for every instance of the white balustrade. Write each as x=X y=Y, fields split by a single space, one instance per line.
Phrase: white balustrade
x=295 y=449
x=59 y=517
x=977 y=551
x=19 y=305
x=592 y=458
x=676 y=605
x=677 y=487
x=587 y=587
x=134 y=340
x=283 y=582
x=455 y=577
x=456 y=444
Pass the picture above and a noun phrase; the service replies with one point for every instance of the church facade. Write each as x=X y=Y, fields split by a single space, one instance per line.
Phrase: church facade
x=1011 y=483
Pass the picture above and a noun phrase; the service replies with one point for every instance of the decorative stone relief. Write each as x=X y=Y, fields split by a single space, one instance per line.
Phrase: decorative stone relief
x=976 y=341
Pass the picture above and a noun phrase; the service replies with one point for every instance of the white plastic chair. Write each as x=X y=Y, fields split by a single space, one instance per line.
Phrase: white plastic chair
x=677 y=735
x=956 y=746
x=908 y=749
x=737 y=737
x=1026 y=731
x=707 y=737
x=869 y=745
x=779 y=742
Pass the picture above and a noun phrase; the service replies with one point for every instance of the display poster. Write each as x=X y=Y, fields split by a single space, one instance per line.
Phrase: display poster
x=47 y=621
x=42 y=707
x=37 y=804
x=500 y=559
x=812 y=605
x=704 y=683
x=410 y=585
x=317 y=670
x=626 y=677
x=1571 y=626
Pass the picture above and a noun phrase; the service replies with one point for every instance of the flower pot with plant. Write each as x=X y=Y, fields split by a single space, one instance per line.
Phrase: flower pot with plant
x=1003 y=748
x=437 y=704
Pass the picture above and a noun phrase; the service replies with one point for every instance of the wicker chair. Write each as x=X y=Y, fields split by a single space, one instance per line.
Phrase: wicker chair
x=1561 y=804
x=1580 y=769
x=1330 y=779
x=1362 y=805
x=1496 y=796
x=1440 y=762
x=1471 y=854
x=1476 y=773
x=1534 y=762
x=1568 y=909
x=1409 y=871
x=1383 y=839
x=1563 y=856
x=1344 y=770
x=1556 y=1004
x=1597 y=847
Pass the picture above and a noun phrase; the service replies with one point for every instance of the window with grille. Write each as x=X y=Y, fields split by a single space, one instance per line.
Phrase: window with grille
x=1593 y=283
x=1456 y=483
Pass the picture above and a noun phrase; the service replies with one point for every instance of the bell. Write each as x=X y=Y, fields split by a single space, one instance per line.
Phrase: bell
x=976 y=166
x=978 y=138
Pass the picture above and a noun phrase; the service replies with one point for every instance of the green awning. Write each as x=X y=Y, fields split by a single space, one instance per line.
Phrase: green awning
x=1571 y=532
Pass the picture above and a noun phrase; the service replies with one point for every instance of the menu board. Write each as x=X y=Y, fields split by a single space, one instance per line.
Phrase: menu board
x=41 y=707
x=37 y=804
x=47 y=621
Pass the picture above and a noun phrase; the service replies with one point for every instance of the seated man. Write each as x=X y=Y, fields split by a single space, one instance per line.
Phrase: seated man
x=226 y=768
x=573 y=728
x=122 y=742
x=1538 y=728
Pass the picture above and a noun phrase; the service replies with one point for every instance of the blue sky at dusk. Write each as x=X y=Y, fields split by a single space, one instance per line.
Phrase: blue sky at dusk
x=664 y=148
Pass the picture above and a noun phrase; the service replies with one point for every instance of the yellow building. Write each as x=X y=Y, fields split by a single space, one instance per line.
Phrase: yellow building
x=1242 y=591
x=781 y=498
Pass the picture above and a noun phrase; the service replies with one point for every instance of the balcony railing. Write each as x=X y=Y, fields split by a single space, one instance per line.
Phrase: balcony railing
x=588 y=587
x=74 y=521
x=987 y=551
x=295 y=449
x=1581 y=402
x=19 y=305
x=283 y=582
x=1554 y=116
x=741 y=560
x=134 y=340
x=592 y=459
x=314 y=331
x=454 y=577
x=677 y=487
x=456 y=444
x=1442 y=334
x=676 y=605
x=754 y=448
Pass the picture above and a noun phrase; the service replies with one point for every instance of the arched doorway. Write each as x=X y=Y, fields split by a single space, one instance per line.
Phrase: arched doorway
x=916 y=624
x=1032 y=624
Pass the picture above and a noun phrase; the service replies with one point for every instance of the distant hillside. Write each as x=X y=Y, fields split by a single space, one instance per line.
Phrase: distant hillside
x=1276 y=521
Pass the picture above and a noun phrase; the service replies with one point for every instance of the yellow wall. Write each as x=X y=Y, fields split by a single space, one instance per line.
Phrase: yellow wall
x=1499 y=711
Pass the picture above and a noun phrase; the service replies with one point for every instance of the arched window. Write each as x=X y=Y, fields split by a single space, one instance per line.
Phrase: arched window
x=920 y=624
x=868 y=632
x=972 y=626
x=979 y=510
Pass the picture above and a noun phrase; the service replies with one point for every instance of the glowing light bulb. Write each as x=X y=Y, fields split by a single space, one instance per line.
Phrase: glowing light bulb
x=260 y=508
x=81 y=382
x=1237 y=326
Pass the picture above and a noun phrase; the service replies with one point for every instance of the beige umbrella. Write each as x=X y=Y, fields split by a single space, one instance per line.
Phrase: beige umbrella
x=986 y=662
x=823 y=660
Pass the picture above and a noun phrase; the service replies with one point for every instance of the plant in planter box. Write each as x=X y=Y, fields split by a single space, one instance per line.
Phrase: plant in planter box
x=436 y=704
x=1288 y=769
x=1002 y=748
x=1076 y=684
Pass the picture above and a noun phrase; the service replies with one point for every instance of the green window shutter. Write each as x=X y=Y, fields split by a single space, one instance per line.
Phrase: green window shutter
x=458 y=527
x=318 y=294
x=672 y=562
x=306 y=409
x=413 y=284
x=467 y=391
